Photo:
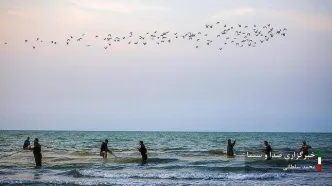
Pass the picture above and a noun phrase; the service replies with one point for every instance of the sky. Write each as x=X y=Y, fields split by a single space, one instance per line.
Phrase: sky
x=284 y=85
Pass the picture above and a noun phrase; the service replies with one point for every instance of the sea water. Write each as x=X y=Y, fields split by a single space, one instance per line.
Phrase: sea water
x=174 y=158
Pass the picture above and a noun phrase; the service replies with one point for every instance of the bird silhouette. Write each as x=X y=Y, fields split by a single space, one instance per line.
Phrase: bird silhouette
x=26 y=41
x=196 y=46
x=33 y=47
x=105 y=48
x=217 y=22
x=37 y=39
x=220 y=48
x=5 y=43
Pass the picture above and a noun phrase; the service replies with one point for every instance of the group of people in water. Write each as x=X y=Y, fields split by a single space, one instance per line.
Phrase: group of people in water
x=104 y=149
x=36 y=148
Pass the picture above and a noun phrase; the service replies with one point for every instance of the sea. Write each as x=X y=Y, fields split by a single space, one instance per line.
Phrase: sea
x=174 y=158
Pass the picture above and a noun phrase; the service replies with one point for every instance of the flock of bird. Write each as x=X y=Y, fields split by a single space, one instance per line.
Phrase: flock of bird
x=239 y=35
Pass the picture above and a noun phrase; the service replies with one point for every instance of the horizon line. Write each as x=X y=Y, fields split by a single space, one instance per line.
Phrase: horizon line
x=63 y=130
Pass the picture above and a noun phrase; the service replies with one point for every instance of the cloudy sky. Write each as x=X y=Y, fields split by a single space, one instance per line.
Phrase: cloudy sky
x=282 y=85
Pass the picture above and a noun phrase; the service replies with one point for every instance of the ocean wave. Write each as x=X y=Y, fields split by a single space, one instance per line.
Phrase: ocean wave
x=150 y=160
x=176 y=176
x=216 y=152
x=83 y=153
x=253 y=176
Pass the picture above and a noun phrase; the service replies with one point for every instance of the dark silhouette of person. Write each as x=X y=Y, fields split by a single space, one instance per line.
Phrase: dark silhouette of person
x=230 y=146
x=104 y=149
x=26 y=143
x=37 y=152
x=143 y=152
x=305 y=149
x=267 y=150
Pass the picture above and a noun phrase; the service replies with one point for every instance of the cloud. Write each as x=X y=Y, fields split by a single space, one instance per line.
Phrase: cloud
x=233 y=13
x=114 y=6
x=310 y=21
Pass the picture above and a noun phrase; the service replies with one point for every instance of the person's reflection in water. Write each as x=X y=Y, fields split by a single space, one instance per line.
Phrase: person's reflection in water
x=37 y=176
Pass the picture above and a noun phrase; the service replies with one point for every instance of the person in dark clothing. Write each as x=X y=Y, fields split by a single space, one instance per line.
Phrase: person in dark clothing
x=104 y=149
x=230 y=145
x=305 y=149
x=26 y=143
x=37 y=152
x=143 y=152
x=267 y=150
